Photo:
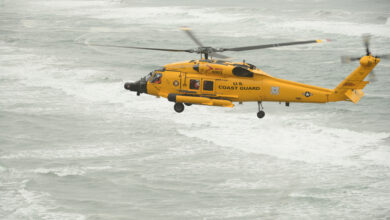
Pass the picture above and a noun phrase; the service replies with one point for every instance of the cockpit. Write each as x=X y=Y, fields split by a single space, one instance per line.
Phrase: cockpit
x=154 y=77
x=140 y=86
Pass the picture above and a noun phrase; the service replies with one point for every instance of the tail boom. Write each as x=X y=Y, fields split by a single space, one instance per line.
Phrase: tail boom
x=350 y=89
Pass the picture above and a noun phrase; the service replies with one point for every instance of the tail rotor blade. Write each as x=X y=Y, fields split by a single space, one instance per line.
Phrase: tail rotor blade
x=384 y=56
x=348 y=59
x=372 y=77
x=345 y=59
x=366 y=40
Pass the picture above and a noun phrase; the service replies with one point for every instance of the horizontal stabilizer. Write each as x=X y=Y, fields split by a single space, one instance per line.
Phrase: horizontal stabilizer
x=354 y=95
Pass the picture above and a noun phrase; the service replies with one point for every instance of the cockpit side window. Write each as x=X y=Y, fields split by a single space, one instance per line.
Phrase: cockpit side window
x=156 y=78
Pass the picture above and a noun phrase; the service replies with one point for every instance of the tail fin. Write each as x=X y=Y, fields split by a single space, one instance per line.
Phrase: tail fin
x=350 y=89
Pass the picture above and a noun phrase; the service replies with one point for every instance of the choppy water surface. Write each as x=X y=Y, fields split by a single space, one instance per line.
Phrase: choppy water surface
x=75 y=145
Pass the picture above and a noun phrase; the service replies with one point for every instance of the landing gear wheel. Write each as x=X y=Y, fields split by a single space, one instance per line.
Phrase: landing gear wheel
x=260 y=114
x=179 y=107
x=188 y=104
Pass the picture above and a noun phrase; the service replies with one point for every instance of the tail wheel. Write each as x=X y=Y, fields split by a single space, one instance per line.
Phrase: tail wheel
x=179 y=107
x=261 y=113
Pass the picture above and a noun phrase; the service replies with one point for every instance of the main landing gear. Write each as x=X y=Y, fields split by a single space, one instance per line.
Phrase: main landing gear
x=261 y=113
x=179 y=107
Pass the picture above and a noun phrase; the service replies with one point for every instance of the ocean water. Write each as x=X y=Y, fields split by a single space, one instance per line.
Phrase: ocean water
x=75 y=145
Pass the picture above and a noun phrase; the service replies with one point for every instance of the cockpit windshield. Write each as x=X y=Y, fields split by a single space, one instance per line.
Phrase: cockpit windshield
x=147 y=77
x=156 y=78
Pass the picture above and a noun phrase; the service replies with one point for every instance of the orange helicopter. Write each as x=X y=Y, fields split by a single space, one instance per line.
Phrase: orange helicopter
x=219 y=82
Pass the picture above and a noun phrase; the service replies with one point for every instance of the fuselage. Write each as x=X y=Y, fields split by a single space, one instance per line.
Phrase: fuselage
x=219 y=83
x=239 y=82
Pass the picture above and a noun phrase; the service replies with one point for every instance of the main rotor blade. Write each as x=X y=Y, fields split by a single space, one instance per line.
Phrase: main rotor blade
x=142 y=48
x=217 y=55
x=256 y=47
x=192 y=36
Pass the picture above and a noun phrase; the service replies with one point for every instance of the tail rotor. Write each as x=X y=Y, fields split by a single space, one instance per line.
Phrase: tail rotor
x=366 y=42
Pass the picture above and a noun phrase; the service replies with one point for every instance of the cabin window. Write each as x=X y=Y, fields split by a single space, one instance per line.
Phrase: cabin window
x=194 y=84
x=239 y=71
x=156 y=78
x=208 y=85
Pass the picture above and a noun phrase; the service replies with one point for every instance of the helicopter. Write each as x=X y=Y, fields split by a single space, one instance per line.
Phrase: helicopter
x=220 y=82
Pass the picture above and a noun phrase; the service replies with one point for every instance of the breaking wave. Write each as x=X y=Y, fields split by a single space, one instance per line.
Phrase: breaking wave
x=16 y=202
x=285 y=137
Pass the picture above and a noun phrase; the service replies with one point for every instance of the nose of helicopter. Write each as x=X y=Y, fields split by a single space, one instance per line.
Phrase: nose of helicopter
x=131 y=86
x=138 y=86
